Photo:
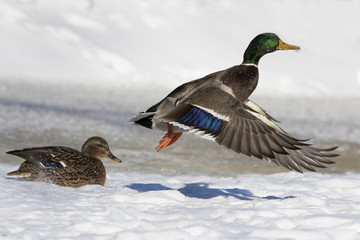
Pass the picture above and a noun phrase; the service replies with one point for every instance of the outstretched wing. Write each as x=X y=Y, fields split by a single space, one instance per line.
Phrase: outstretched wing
x=46 y=157
x=244 y=128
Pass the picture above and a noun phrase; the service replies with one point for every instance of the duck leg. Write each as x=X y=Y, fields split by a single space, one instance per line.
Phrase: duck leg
x=169 y=138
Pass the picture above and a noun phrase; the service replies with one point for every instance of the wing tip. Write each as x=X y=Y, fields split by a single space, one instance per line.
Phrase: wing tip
x=14 y=152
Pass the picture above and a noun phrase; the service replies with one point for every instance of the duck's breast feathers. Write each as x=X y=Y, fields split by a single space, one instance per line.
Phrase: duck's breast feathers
x=241 y=80
x=49 y=157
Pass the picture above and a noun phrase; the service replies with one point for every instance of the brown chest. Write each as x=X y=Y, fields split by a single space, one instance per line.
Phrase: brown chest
x=241 y=80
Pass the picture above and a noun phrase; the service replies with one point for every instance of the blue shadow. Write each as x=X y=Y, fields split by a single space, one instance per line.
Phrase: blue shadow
x=202 y=191
x=141 y=187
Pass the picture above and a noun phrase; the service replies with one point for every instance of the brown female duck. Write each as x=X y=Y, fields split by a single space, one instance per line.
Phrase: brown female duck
x=65 y=166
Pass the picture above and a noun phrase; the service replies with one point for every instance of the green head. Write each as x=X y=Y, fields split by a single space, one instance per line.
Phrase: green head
x=262 y=44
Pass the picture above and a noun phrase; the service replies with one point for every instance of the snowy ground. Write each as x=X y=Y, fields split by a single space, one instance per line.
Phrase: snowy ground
x=74 y=69
x=150 y=206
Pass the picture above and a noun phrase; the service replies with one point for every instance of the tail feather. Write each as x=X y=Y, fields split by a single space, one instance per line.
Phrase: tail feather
x=19 y=174
x=144 y=119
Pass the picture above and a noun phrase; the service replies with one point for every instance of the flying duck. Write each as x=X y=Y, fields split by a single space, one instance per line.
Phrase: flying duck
x=217 y=107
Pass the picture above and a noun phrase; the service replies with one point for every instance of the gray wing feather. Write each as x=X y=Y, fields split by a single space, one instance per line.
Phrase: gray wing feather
x=251 y=131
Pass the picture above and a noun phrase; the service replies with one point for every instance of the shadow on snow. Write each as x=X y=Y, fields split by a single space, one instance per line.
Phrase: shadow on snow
x=202 y=191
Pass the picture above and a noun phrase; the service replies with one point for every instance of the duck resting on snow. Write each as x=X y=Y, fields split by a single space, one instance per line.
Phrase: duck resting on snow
x=217 y=107
x=65 y=166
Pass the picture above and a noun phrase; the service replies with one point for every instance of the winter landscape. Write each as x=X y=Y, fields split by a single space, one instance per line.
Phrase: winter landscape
x=70 y=70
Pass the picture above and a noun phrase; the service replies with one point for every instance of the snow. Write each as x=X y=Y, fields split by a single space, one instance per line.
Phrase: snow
x=148 y=44
x=138 y=206
x=70 y=70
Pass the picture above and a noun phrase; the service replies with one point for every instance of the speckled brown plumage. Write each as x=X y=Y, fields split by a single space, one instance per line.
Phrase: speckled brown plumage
x=65 y=166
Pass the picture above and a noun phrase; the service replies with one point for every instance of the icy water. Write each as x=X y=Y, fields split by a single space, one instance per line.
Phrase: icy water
x=194 y=189
x=53 y=114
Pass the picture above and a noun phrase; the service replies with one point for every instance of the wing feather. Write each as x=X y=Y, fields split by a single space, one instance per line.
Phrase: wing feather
x=246 y=128
x=44 y=157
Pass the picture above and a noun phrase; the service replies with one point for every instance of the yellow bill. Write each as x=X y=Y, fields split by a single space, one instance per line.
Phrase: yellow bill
x=285 y=46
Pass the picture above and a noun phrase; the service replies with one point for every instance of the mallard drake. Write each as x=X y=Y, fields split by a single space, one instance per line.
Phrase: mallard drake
x=65 y=166
x=217 y=107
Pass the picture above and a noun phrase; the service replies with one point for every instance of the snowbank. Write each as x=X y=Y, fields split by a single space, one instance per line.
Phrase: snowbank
x=156 y=44
x=137 y=206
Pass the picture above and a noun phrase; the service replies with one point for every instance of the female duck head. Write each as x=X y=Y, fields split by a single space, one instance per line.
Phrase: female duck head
x=97 y=147
x=262 y=44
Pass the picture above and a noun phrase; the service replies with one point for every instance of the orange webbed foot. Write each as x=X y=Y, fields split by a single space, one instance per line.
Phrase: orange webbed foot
x=169 y=138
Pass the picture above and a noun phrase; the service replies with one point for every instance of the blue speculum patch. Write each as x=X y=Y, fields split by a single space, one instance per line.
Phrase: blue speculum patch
x=201 y=119
x=53 y=164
